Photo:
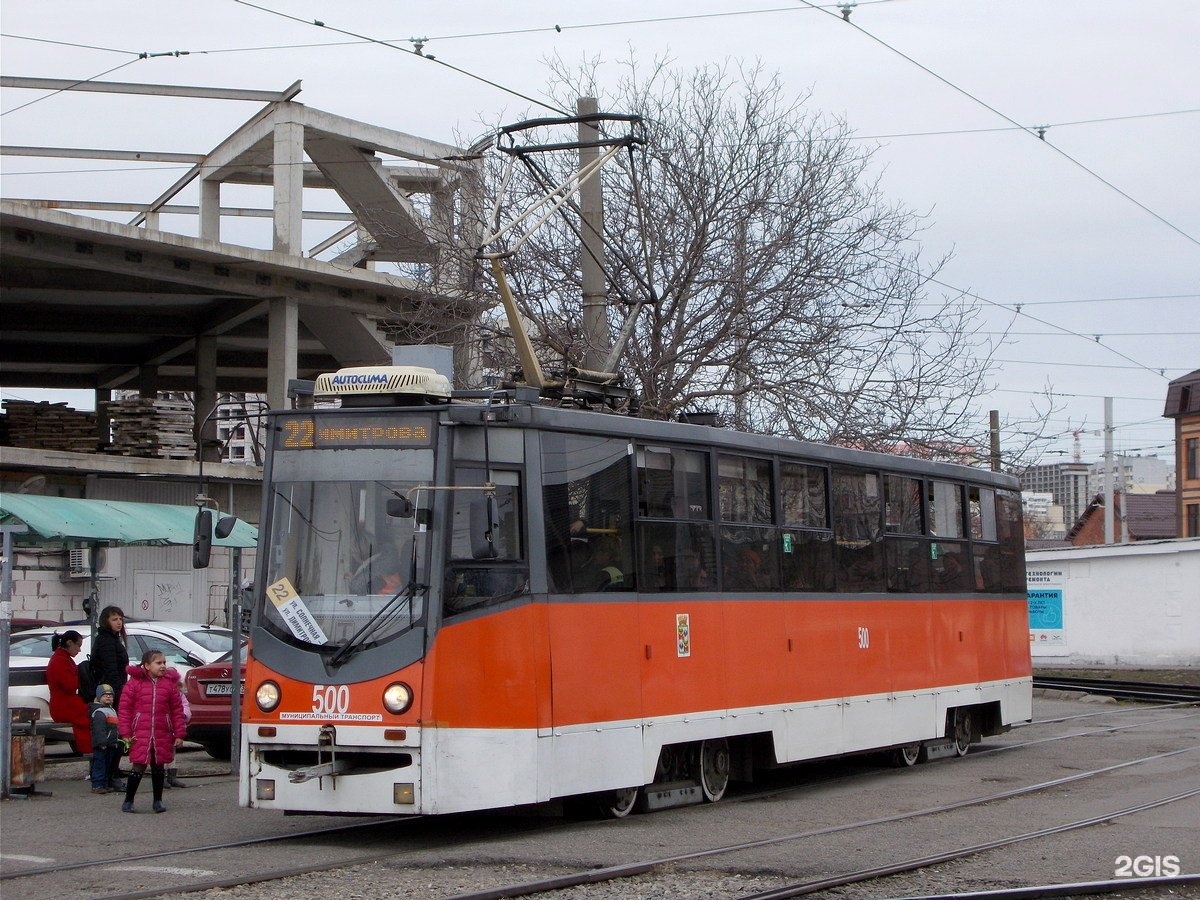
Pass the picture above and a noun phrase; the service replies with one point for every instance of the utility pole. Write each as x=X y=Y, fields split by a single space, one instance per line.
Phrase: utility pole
x=591 y=205
x=1108 y=470
x=994 y=431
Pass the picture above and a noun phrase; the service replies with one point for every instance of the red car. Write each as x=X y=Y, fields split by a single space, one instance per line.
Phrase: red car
x=210 y=693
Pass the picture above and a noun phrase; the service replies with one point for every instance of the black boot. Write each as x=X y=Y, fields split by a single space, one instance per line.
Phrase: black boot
x=157 y=778
x=173 y=778
x=131 y=787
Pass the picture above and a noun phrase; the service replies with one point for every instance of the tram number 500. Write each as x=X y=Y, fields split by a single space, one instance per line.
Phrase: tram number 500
x=864 y=637
x=331 y=698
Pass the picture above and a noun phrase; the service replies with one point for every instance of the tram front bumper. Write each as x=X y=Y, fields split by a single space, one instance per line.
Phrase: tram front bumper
x=331 y=769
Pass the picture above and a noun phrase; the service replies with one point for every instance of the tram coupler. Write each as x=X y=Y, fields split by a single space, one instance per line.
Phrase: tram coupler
x=326 y=740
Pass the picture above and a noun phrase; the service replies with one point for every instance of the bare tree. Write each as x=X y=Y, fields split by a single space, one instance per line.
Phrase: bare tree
x=786 y=292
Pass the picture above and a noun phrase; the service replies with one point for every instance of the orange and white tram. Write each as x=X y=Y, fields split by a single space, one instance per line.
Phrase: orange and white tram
x=469 y=605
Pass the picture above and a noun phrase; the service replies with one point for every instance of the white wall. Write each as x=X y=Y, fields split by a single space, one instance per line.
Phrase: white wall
x=1126 y=605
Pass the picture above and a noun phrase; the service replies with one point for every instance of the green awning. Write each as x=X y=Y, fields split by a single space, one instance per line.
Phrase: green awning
x=111 y=521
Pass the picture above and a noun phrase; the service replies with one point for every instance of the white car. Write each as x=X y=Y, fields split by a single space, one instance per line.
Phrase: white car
x=185 y=645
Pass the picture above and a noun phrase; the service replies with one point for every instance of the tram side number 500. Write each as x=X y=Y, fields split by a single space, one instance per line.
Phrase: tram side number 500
x=331 y=698
x=864 y=638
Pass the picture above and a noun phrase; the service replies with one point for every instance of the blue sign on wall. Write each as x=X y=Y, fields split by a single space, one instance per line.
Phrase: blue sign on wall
x=1045 y=609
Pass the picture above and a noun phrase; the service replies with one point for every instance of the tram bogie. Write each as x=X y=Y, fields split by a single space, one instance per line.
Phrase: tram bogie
x=470 y=606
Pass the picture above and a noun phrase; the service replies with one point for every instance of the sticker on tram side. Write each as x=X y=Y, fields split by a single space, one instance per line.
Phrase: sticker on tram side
x=683 y=634
x=295 y=613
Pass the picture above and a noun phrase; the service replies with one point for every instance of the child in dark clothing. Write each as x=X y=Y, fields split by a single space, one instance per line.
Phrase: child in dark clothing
x=106 y=742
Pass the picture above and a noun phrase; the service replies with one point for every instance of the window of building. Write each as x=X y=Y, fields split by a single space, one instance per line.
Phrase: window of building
x=1193 y=520
x=1191 y=458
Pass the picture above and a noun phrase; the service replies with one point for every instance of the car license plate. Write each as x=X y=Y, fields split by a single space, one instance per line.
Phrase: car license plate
x=220 y=690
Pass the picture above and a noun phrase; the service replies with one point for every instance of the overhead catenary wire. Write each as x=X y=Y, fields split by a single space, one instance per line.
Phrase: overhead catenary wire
x=415 y=52
x=1034 y=132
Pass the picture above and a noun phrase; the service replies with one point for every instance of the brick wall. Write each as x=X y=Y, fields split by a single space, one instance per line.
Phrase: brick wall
x=38 y=591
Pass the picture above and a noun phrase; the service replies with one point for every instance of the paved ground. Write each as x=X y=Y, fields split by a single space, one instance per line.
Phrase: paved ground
x=439 y=858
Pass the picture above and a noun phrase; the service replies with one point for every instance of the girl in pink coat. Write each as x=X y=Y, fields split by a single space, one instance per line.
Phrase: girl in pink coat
x=151 y=717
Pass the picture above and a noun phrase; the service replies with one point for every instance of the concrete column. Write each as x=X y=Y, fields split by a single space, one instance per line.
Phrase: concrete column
x=204 y=399
x=283 y=319
x=288 y=174
x=289 y=222
x=210 y=209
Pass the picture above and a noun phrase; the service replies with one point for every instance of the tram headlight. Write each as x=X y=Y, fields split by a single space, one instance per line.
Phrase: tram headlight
x=397 y=697
x=267 y=696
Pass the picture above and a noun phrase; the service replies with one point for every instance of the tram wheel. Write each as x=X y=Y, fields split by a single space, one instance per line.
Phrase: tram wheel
x=909 y=755
x=619 y=803
x=714 y=769
x=963 y=727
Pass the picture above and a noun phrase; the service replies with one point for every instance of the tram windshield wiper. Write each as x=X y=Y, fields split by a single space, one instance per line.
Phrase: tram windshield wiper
x=386 y=613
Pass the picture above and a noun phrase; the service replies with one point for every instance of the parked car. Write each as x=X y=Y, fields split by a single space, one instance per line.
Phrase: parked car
x=210 y=693
x=185 y=645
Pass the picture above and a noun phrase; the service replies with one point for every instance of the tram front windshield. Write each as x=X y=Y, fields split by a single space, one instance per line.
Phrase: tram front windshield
x=341 y=560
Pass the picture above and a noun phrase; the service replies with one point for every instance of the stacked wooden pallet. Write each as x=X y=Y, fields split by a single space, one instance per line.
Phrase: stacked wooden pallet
x=49 y=426
x=144 y=426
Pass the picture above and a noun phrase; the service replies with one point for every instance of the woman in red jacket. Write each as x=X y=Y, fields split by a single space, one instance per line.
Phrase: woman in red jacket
x=66 y=706
x=151 y=716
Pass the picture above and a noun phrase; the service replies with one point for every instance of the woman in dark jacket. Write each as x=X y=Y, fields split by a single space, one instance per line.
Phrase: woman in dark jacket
x=110 y=653
x=62 y=677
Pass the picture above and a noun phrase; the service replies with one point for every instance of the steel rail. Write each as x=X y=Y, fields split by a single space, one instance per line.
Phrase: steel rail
x=626 y=870
x=1073 y=889
x=811 y=887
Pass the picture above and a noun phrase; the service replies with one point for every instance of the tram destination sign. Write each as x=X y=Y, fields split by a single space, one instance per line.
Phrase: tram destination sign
x=334 y=431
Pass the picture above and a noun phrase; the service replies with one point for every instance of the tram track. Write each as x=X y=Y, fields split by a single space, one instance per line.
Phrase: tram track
x=1126 y=690
x=591 y=876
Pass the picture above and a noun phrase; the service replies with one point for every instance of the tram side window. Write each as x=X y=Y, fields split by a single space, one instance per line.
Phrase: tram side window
x=857 y=517
x=587 y=502
x=1010 y=531
x=981 y=512
x=672 y=483
x=908 y=565
x=902 y=505
x=749 y=561
x=677 y=555
x=949 y=567
x=944 y=501
x=805 y=541
x=486 y=564
x=981 y=518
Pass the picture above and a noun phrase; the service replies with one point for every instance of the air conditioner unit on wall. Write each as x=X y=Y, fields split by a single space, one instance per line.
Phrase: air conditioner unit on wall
x=80 y=561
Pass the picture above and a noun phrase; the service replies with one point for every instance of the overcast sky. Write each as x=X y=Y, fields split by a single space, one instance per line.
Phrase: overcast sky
x=1030 y=222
